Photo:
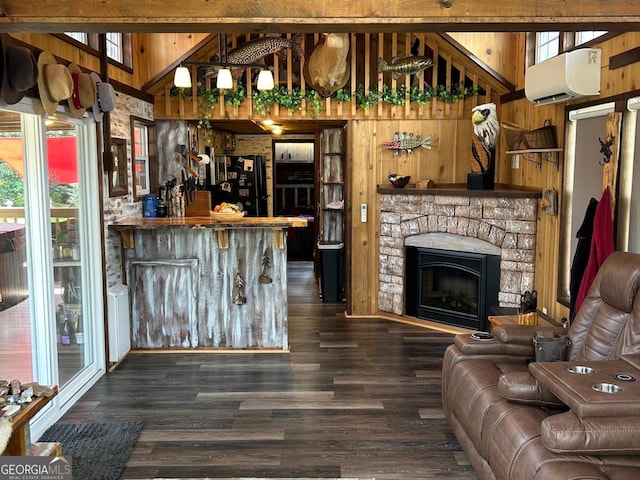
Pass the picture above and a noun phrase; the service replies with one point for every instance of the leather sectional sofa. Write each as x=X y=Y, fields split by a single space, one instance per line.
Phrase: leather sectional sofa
x=520 y=419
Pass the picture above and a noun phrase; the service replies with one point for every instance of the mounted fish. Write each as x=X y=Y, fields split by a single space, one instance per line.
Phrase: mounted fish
x=253 y=51
x=327 y=69
x=407 y=142
x=407 y=65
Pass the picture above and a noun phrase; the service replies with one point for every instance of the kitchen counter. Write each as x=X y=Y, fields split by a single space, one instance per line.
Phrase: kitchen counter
x=206 y=222
x=197 y=283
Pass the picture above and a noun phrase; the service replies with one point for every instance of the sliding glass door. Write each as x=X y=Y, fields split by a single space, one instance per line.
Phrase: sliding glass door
x=52 y=167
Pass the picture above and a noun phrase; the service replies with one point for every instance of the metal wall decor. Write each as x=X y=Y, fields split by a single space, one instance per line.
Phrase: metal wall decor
x=239 y=298
x=605 y=149
x=407 y=142
x=266 y=265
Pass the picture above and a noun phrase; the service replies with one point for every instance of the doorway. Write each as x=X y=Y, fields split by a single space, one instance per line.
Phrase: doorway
x=294 y=192
x=49 y=214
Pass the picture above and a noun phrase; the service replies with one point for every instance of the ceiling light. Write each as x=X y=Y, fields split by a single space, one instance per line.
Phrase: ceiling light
x=265 y=80
x=267 y=122
x=276 y=130
x=224 y=78
x=182 y=77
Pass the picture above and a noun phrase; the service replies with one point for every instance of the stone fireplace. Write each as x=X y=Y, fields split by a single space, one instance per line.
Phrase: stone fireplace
x=500 y=221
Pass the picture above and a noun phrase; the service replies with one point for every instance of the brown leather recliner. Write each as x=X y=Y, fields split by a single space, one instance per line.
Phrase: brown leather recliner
x=577 y=419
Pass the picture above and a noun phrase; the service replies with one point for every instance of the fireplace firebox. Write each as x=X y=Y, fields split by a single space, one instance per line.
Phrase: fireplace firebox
x=456 y=288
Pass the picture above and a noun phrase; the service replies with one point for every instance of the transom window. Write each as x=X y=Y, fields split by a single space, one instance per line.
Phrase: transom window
x=118 y=45
x=547 y=45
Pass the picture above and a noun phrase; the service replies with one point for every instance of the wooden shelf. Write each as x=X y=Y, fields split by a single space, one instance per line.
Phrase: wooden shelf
x=550 y=155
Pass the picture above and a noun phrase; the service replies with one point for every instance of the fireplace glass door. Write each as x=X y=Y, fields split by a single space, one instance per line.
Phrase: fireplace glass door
x=451 y=287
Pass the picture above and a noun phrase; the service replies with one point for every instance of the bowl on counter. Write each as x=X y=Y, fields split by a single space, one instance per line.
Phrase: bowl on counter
x=399 y=181
x=227 y=216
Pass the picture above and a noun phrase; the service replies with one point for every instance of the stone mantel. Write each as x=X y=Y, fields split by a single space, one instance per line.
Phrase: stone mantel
x=460 y=189
x=504 y=218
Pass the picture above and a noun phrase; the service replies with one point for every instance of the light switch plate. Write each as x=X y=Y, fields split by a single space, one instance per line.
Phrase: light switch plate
x=363 y=213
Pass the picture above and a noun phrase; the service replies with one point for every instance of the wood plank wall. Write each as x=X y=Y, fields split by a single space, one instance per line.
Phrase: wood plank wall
x=615 y=85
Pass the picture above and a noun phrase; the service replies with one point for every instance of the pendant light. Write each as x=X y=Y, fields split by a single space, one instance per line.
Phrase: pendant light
x=224 y=79
x=265 y=80
x=182 y=77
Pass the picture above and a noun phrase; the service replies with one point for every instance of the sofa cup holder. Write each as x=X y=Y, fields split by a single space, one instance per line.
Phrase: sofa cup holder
x=580 y=369
x=624 y=377
x=606 y=388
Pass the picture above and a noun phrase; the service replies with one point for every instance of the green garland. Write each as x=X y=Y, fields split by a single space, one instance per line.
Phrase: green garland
x=263 y=101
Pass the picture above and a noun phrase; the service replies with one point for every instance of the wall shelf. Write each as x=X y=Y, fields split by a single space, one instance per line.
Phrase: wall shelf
x=551 y=155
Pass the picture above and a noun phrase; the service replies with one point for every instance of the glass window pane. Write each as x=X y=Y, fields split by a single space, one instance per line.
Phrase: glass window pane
x=583 y=37
x=79 y=36
x=15 y=311
x=547 y=45
x=114 y=46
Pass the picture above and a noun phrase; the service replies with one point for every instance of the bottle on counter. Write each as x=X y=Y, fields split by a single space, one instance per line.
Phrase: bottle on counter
x=65 y=337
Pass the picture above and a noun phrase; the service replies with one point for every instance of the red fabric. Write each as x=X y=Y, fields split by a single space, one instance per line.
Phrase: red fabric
x=602 y=245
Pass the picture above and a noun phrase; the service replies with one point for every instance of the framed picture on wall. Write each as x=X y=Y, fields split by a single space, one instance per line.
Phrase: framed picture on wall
x=118 y=174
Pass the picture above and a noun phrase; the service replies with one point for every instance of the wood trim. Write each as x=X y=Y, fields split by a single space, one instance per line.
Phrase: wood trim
x=625 y=58
x=331 y=15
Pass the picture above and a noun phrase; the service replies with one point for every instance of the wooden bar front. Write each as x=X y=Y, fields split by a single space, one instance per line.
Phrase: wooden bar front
x=198 y=283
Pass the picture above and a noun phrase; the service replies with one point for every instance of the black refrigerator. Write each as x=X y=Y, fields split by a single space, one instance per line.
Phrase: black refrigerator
x=239 y=179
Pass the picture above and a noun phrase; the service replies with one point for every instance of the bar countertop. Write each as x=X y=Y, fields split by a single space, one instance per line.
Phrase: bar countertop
x=148 y=223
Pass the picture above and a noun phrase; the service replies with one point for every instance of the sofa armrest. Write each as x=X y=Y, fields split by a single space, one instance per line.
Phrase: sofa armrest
x=568 y=433
x=524 y=334
x=522 y=387
x=494 y=346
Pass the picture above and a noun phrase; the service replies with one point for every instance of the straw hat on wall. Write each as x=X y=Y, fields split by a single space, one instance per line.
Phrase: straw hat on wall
x=54 y=82
x=84 y=91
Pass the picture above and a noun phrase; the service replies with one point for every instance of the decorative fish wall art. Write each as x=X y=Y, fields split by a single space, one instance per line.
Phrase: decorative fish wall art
x=253 y=51
x=407 y=65
x=407 y=142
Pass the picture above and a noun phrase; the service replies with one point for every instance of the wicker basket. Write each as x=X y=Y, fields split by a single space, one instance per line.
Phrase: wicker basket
x=518 y=138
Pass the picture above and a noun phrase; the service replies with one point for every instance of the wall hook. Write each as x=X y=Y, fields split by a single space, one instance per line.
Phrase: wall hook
x=605 y=149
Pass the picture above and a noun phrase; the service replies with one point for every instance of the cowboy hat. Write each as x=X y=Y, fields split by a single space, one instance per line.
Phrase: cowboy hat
x=19 y=70
x=105 y=97
x=54 y=82
x=84 y=91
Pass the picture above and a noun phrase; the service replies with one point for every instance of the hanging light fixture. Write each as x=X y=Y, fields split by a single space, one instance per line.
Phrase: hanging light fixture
x=182 y=77
x=265 y=80
x=224 y=80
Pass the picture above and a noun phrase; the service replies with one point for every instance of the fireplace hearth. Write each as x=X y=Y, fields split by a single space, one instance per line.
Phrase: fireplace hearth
x=456 y=288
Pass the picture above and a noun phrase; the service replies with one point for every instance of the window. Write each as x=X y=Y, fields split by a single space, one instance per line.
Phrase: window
x=547 y=45
x=141 y=159
x=144 y=157
x=118 y=45
x=114 y=46
x=79 y=36
x=584 y=37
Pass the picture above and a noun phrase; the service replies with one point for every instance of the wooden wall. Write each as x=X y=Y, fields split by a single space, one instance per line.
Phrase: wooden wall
x=615 y=85
x=369 y=165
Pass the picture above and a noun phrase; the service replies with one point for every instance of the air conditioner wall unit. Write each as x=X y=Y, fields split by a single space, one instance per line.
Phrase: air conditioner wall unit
x=564 y=77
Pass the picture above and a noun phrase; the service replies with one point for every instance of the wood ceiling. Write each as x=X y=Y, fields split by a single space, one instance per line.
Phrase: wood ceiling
x=55 y=16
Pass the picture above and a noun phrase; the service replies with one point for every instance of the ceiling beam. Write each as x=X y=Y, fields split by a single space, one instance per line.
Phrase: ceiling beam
x=183 y=16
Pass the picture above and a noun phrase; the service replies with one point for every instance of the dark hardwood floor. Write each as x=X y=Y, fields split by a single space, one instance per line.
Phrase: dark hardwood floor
x=353 y=398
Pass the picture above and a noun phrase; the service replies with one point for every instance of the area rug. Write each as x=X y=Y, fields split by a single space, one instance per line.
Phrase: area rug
x=97 y=451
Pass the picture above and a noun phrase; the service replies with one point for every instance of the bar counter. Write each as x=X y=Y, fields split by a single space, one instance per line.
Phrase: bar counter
x=198 y=283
